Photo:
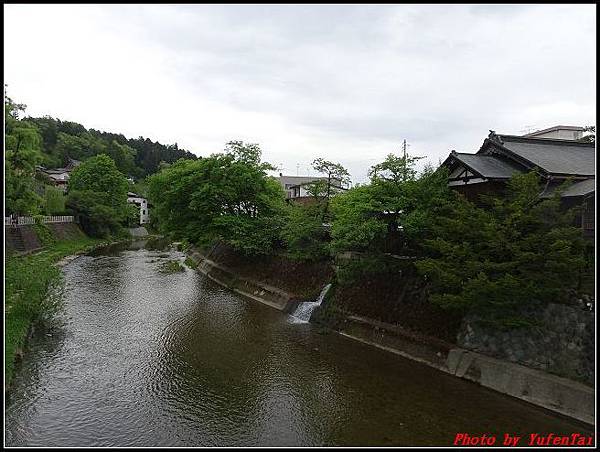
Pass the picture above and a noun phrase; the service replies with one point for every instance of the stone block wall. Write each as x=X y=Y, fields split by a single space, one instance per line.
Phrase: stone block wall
x=562 y=344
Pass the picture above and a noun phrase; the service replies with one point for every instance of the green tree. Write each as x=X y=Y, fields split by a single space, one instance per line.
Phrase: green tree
x=98 y=196
x=226 y=197
x=398 y=203
x=395 y=169
x=518 y=251
x=22 y=154
x=124 y=157
x=54 y=200
x=304 y=234
x=100 y=174
x=337 y=177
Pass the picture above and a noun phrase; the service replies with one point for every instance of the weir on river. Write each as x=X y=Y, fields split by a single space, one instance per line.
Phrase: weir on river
x=143 y=358
x=304 y=311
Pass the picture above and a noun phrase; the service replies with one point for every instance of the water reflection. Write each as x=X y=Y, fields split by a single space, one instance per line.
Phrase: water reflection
x=143 y=358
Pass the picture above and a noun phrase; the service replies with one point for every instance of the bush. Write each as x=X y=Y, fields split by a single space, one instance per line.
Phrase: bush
x=512 y=253
x=304 y=234
x=43 y=232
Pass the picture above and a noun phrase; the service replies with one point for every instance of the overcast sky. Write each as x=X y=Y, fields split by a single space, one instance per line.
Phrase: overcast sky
x=343 y=82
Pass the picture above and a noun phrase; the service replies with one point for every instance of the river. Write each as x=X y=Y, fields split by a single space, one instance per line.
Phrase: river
x=142 y=358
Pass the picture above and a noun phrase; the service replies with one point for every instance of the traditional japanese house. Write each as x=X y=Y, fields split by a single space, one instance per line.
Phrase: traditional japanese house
x=555 y=160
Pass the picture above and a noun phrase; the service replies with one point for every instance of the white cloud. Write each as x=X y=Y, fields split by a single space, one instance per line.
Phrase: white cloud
x=347 y=82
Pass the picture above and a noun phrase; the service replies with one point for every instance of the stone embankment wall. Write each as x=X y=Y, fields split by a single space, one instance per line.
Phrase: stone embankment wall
x=562 y=343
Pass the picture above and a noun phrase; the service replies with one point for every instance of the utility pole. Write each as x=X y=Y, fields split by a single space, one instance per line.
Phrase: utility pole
x=404 y=161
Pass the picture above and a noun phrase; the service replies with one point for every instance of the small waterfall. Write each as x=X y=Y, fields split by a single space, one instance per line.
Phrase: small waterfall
x=304 y=310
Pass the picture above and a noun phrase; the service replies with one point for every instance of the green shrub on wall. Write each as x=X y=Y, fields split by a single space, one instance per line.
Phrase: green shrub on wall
x=43 y=232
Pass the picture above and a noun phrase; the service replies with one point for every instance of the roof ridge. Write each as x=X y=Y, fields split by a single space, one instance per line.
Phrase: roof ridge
x=547 y=140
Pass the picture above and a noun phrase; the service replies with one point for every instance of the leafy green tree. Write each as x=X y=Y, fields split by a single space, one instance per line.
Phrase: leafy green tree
x=337 y=177
x=98 y=196
x=304 y=234
x=100 y=174
x=132 y=215
x=95 y=214
x=395 y=169
x=22 y=154
x=397 y=204
x=54 y=200
x=226 y=197
x=496 y=261
x=124 y=157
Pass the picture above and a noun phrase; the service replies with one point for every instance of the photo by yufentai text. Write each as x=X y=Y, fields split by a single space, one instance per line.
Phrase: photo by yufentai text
x=532 y=439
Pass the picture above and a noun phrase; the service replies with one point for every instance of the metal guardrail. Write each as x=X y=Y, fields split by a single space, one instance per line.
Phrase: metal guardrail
x=20 y=221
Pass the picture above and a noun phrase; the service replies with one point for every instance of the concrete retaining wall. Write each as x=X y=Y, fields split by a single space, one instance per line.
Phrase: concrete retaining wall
x=549 y=391
x=539 y=388
x=269 y=295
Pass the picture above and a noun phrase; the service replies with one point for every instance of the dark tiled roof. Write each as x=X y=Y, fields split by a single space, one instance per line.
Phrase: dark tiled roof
x=581 y=188
x=554 y=156
x=488 y=166
x=585 y=187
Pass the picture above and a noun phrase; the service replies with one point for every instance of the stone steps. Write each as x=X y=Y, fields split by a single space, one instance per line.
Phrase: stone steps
x=13 y=239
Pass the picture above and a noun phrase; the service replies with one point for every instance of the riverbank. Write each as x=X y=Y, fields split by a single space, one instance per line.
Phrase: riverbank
x=32 y=285
x=558 y=394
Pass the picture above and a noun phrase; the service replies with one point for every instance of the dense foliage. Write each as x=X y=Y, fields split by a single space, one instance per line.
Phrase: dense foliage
x=227 y=196
x=136 y=157
x=499 y=259
x=393 y=212
x=22 y=154
x=98 y=196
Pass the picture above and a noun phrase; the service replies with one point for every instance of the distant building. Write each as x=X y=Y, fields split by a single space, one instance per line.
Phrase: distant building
x=297 y=187
x=558 y=133
x=555 y=160
x=142 y=203
x=59 y=177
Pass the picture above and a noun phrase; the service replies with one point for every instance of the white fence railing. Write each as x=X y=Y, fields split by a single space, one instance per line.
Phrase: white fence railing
x=20 y=221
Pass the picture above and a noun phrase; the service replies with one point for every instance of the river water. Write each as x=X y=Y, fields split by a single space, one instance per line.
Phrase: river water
x=143 y=358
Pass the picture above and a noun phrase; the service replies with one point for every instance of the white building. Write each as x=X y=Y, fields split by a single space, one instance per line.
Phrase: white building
x=142 y=203
x=558 y=133
x=296 y=187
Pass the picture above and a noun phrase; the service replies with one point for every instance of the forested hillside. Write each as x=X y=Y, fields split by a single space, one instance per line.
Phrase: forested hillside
x=51 y=143
x=135 y=157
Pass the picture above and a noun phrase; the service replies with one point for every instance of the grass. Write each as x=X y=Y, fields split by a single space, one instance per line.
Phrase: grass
x=190 y=263
x=29 y=281
x=171 y=267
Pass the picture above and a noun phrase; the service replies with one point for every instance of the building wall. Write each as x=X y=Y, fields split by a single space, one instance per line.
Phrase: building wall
x=142 y=203
x=560 y=134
